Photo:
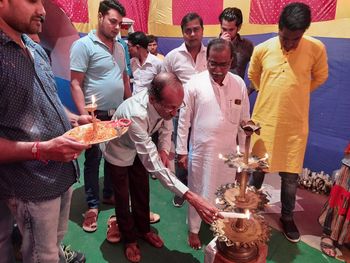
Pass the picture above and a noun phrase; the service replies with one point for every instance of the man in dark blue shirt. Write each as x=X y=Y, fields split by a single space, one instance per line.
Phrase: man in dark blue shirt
x=37 y=163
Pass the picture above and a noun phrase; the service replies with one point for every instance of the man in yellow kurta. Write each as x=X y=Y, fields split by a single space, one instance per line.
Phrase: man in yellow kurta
x=284 y=70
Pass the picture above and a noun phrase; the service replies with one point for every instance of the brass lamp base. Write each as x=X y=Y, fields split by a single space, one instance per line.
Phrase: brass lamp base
x=238 y=254
x=261 y=257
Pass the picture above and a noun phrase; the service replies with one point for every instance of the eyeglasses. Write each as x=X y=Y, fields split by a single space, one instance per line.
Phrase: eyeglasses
x=195 y=30
x=214 y=64
x=168 y=109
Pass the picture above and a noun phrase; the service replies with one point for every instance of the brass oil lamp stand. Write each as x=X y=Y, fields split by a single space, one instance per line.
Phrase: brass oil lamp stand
x=240 y=239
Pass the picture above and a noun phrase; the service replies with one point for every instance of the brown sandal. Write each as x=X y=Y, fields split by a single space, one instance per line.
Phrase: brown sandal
x=132 y=252
x=90 y=220
x=113 y=233
x=153 y=239
x=153 y=218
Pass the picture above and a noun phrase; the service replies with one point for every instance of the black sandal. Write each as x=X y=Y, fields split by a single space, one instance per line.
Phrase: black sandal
x=326 y=248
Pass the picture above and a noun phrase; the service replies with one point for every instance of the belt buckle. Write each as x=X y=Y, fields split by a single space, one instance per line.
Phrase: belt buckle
x=111 y=112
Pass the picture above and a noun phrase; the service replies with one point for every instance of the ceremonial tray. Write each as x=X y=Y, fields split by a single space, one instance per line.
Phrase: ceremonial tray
x=105 y=131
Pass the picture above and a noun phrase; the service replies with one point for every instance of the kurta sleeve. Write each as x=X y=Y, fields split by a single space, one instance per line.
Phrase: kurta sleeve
x=184 y=123
x=148 y=154
x=319 y=71
x=164 y=138
x=245 y=116
x=255 y=68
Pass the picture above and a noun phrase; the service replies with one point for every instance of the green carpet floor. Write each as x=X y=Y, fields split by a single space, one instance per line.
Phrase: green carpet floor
x=172 y=228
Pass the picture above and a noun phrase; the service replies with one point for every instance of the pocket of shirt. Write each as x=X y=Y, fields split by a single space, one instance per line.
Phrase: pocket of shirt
x=233 y=113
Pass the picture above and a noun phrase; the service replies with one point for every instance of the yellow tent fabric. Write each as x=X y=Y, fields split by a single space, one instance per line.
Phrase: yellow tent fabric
x=161 y=17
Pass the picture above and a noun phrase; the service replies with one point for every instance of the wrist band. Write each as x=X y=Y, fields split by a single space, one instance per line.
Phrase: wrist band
x=36 y=152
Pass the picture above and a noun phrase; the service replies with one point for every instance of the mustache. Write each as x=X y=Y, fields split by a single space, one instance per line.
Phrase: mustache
x=42 y=18
x=218 y=74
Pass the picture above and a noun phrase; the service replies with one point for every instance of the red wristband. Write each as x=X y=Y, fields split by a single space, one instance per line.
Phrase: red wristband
x=36 y=152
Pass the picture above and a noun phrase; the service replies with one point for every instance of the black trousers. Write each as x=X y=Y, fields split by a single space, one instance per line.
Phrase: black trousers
x=131 y=181
x=289 y=186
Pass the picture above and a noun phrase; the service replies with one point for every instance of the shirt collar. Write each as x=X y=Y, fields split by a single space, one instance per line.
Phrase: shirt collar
x=5 y=39
x=28 y=42
x=224 y=82
x=153 y=114
x=184 y=48
x=94 y=37
x=143 y=98
x=148 y=60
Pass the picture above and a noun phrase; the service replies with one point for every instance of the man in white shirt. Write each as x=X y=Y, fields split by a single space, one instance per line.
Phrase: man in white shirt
x=216 y=103
x=189 y=58
x=144 y=65
x=185 y=61
x=130 y=158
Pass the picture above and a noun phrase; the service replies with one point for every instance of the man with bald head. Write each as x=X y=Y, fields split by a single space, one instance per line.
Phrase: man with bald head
x=130 y=159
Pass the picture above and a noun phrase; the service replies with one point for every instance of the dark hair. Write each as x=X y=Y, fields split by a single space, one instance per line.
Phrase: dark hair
x=160 y=81
x=106 y=5
x=219 y=44
x=152 y=38
x=190 y=17
x=295 y=16
x=138 y=38
x=232 y=14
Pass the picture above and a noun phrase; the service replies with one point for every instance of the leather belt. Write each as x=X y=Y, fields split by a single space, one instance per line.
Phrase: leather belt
x=106 y=113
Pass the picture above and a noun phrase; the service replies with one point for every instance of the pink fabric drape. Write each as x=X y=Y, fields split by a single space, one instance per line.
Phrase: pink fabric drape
x=77 y=10
x=268 y=11
x=209 y=10
x=137 y=10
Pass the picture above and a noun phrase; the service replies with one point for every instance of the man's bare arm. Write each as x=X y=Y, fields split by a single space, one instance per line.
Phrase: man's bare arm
x=76 y=87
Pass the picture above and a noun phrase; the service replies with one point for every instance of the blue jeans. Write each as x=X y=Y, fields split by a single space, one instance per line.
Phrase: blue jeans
x=93 y=158
x=289 y=185
x=6 y=226
x=42 y=225
x=92 y=162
